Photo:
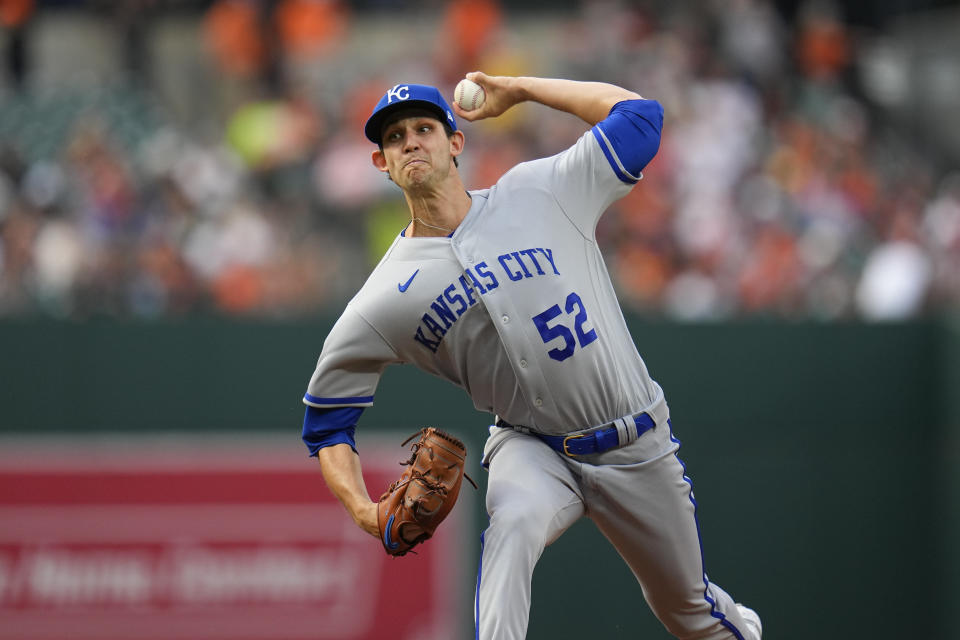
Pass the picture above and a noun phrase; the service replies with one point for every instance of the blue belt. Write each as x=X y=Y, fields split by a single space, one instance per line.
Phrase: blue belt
x=584 y=444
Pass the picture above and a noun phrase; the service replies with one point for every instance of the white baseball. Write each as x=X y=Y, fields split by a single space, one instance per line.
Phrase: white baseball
x=469 y=95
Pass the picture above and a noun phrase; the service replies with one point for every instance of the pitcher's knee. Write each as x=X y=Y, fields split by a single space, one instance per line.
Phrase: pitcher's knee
x=522 y=522
x=520 y=519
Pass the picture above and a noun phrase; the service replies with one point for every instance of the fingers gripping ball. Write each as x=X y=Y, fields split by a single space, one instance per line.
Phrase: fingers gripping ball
x=469 y=95
x=415 y=505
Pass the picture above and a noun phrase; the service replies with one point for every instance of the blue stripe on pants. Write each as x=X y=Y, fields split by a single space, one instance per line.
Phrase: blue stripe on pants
x=719 y=615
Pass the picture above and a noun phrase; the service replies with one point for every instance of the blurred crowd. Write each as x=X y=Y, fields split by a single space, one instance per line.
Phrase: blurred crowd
x=778 y=190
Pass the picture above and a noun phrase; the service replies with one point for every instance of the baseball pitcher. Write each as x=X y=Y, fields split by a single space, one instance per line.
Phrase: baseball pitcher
x=503 y=292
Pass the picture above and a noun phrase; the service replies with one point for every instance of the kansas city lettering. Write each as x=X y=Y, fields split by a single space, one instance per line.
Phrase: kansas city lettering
x=517 y=265
x=477 y=281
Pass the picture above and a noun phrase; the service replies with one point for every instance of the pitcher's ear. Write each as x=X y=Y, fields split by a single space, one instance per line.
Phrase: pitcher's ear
x=379 y=160
x=457 y=140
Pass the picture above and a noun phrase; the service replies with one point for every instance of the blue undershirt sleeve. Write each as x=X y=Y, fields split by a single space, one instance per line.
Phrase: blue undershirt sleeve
x=326 y=427
x=630 y=136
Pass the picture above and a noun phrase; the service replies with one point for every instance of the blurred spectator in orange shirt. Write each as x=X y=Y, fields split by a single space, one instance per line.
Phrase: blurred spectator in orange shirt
x=14 y=16
x=467 y=30
x=13 y=13
x=232 y=31
x=770 y=277
x=309 y=28
x=823 y=46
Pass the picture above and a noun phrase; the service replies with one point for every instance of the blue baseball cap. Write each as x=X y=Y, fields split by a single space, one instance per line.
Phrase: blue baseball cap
x=405 y=96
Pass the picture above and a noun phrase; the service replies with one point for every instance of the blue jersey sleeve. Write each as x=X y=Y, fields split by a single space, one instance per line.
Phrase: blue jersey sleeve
x=630 y=136
x=327 y=427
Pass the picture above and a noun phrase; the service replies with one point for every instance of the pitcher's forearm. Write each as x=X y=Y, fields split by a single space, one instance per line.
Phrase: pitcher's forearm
x=590 y=101
x=343 y=475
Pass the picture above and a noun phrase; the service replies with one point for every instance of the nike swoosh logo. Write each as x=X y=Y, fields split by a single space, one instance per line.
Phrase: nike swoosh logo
x=386 y=531
x=406 y=285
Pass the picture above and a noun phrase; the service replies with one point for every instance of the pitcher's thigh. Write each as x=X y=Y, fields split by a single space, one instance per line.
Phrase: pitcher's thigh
x=530 y=486
x=648 y=512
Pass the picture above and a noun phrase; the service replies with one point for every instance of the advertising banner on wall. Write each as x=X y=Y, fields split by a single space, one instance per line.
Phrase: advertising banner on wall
x=183 y=538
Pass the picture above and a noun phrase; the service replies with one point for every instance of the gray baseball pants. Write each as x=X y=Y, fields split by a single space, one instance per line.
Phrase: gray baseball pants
x=639 y=498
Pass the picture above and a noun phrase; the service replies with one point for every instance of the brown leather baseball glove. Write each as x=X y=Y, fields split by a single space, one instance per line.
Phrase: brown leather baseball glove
x=415 y=505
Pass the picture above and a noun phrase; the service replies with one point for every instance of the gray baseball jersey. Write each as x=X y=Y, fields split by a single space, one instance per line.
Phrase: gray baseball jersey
x=516 y=307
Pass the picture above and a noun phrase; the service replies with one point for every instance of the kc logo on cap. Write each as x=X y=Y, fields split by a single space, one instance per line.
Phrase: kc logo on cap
x=400 y=92
x=401 y=95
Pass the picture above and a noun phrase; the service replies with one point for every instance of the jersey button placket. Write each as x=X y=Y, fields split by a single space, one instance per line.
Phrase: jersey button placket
x=505 y=319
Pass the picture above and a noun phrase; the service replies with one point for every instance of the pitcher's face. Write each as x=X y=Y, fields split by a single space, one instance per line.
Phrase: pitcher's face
x=417 y=152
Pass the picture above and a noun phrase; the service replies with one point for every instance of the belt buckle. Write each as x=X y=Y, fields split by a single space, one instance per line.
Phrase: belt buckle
x=567 y=451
